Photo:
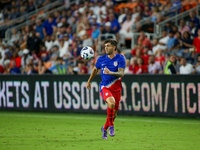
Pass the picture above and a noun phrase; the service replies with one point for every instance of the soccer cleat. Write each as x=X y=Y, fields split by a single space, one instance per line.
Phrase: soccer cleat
x=104 y=135
x=111 y=131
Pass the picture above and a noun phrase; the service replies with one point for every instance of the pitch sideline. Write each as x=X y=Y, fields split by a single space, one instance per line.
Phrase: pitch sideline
x=91 y=118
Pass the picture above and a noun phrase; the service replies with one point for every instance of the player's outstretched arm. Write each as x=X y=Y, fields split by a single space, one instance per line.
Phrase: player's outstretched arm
x=119 y=73
x=93 y=74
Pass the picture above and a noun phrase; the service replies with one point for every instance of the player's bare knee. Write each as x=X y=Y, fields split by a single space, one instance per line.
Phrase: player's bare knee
x=111 y=102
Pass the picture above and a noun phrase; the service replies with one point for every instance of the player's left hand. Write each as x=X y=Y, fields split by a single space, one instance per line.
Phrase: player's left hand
x=106 y=71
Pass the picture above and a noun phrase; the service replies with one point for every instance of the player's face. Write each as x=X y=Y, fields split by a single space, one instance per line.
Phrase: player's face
x=109 y=48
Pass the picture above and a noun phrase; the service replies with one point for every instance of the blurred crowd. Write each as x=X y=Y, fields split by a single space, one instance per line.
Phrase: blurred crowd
x=52 y=45
x=12 y=9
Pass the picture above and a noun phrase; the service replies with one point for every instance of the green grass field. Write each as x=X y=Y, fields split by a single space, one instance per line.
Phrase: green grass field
x=48 y=131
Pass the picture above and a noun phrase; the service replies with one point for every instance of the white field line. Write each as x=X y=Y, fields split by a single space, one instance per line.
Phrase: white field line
x=90 y=118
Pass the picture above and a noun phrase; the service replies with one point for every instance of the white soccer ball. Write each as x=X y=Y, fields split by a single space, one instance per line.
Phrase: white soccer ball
x=87 y=53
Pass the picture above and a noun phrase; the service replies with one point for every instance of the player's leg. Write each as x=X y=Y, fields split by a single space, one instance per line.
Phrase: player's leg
x=117 y=96
x=107 y=96
x=110 y=114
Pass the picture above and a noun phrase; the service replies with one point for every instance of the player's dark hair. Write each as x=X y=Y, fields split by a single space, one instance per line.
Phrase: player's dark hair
x=113 y=42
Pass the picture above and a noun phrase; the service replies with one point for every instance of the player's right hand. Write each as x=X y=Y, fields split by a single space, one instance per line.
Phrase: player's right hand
x=88 y=85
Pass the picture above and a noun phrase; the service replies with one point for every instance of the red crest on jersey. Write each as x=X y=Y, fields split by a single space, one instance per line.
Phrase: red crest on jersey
x=115 y=63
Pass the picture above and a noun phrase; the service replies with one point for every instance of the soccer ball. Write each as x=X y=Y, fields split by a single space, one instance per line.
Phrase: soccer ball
x=87 y=53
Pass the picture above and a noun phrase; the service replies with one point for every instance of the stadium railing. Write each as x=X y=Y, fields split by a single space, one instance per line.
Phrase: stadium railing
x=27 y=16
x=8 y=32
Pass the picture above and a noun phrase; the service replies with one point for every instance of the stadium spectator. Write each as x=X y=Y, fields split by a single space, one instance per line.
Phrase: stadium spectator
x=115 y=26
x=153 y=67
x=160 y=58
x=165 y=6
x=7 y=66
x=125 y=31
x=134 y=14
x=25 y=58
x=48 y=43
x=48 y=25
x=30 y=69
x=168 y=27
x=127 y=71
x=63 y=47
x=107 y=30
x=31 y=6
x=122 y=15
x=15 y=36
x=186 y=68
x=133 y=63
x=169 y=67
x=39 y=28
x=170 y=43
x=81 y=68
x=87 y=41
x=193 y=30
x=196 y=44
x=174 y=28
x=155 y=47
x=144 y=40
x=194 y=18
x=146 y=12
x=41 y=69
x=94 y=21
x=88 y=29
x=14 y=69
x=95 y=32
x=163 y=40
x=16 y=58
x=183 y=27
x=140 y=68
x=145 y=56
x=59 y=68
x=155 y=17
x=155 y=3
x=74 y=25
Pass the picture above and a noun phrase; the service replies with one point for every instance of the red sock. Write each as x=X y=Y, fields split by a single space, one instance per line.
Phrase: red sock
x=110 y=113
x=106 y=125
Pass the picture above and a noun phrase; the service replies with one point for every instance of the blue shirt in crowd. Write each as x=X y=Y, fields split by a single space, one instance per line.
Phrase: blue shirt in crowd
x=170 y=42
x=115 y=23
x=95 y=34
x=49 y=26
x=15 y=70
x=39 y=29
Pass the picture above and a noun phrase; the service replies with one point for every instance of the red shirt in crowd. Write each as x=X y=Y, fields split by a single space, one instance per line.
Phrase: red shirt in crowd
x=196 y=43
x=1 y=69
x=140 y=69
x=89 y=32
x=18 y=61
x=145 y=59
x=161 y=60
x=132 y=68
x=84 y=70
x=133 y=52
x=146 y=42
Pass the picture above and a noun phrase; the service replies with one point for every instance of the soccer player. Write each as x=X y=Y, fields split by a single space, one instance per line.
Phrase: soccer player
x=112 y=67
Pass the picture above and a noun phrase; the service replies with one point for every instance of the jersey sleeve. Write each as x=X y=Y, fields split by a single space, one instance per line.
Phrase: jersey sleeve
x=98 y=63
x=122 y=62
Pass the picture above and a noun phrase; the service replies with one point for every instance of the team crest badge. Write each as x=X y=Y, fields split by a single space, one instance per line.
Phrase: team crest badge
x=115 y=63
